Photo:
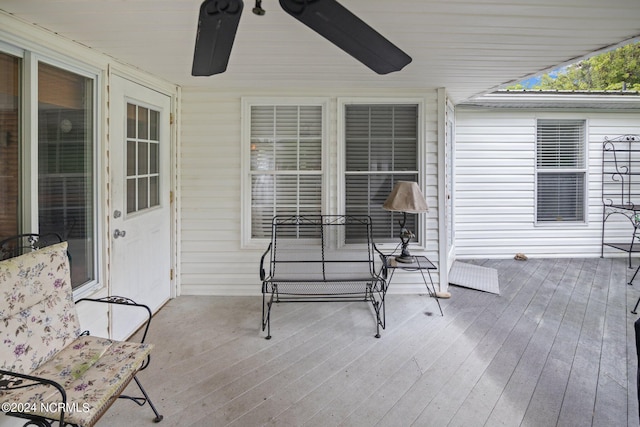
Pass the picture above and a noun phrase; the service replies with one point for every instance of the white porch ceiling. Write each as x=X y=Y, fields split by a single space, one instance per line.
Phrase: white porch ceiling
x=468 y=46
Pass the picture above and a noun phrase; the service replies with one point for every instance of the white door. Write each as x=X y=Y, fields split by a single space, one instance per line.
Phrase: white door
x=140 y=226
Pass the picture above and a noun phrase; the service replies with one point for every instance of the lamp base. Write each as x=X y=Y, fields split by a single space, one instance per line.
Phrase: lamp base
x=405 y=259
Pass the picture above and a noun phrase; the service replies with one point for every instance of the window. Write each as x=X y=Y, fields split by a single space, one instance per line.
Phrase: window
x=66 y=165
x=560 y=171
x=56 y=193
x=381 y=148
x=10 y=168
x=285 y=162
x=143 y=162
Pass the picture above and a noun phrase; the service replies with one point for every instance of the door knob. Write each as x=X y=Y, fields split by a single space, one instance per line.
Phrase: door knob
x=118 y=233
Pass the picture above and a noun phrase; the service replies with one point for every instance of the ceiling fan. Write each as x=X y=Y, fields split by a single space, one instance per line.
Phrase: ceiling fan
x=218 y=22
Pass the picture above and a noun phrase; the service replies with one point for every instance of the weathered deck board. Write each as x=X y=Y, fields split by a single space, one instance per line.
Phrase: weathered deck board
x=555 y=348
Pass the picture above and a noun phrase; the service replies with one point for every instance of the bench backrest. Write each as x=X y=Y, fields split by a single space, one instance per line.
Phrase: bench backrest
x=22 y=243
x=37 y=313
x=312 y=248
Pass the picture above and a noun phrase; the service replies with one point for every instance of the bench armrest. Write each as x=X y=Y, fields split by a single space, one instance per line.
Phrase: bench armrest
x=118 y=300
x=10 y=381
x=385 y=262
x=263 y=274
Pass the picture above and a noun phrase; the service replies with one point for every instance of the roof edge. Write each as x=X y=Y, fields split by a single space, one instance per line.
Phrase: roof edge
x=557 y=99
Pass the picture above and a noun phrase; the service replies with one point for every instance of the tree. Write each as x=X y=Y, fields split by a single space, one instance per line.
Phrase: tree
x=616 y=69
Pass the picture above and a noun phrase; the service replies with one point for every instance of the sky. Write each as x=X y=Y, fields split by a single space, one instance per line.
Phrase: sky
x=532 y=81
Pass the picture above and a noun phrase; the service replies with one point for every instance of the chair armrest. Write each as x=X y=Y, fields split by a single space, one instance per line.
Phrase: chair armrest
x=385 y=262
x=263 y=274
x=10 y=381
x=118 y=300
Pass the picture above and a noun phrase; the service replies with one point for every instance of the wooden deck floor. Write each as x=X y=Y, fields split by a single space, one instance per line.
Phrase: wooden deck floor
x=555 y=348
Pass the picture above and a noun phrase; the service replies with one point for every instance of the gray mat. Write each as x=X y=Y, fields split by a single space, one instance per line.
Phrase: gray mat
x=474 y=277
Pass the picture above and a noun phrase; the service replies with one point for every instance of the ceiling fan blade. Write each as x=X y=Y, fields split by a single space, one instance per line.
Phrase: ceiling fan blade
x=217 y=26
x=341 y=27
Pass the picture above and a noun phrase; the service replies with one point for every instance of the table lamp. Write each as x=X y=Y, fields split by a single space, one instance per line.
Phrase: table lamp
x=405 y=197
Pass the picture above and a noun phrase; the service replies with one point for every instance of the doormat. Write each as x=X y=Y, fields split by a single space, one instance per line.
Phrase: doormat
x=474 y=277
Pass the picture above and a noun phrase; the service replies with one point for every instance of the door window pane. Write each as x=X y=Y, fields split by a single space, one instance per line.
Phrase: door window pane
x=66 y=165
x=143 y=163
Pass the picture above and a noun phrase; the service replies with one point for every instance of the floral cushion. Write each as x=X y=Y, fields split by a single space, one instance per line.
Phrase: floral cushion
x=40 y=336
x=37 y=312
x=92 y=370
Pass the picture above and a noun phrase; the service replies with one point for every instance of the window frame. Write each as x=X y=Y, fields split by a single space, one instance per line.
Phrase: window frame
x=31 y=57
x=583 y=170
x=419 y=242
x=248 y=242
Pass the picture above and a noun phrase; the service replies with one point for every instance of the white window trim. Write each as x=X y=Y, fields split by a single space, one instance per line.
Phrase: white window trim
x=584 y=169
x=419 y=242
x=247 y=242
x=11 y=49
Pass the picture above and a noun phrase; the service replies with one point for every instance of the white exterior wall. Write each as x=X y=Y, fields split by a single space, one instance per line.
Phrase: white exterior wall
x=212 y=261
x=495 y=185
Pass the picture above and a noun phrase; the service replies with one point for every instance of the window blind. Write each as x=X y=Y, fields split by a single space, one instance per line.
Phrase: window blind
x=561 y=170
x=10 y=167
x=560 y=144
x=381 y=144
x=286 y=163
x=66 y=178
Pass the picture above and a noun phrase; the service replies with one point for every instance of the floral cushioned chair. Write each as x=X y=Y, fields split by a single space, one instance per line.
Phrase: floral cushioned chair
x=49 y=370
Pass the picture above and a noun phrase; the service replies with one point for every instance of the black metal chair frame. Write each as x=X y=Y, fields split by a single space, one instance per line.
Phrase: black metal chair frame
x=22 y=243
x=621 y=187
x=620 y=191
x=636 y=328
x=329 y=231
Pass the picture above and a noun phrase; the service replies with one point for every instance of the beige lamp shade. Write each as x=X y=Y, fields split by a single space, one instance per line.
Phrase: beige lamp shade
x=406 y=197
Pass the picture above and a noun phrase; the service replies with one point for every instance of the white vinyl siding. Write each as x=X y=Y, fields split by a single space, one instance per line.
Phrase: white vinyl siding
x=560 y=171
x=218 y=257
x=381 y=145
x=495 y=201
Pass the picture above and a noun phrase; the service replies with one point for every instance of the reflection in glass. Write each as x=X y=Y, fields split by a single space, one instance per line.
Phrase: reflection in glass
x=66 y=165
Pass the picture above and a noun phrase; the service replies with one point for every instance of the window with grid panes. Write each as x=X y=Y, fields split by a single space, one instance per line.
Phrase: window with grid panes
x=560 y=171
x=381 y=148
x=285 y=163
x=142 y=160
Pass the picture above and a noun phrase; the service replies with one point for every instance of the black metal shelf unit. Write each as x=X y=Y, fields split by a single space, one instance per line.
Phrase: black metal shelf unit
x=621 y=188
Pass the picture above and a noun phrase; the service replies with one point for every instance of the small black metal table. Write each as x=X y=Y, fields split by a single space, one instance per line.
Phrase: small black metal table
x=420 y=263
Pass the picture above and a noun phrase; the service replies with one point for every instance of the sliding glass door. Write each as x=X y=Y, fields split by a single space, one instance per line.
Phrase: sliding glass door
x=47 y=157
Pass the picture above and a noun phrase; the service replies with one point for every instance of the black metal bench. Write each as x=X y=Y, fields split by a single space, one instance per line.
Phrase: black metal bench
x=322 y=258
